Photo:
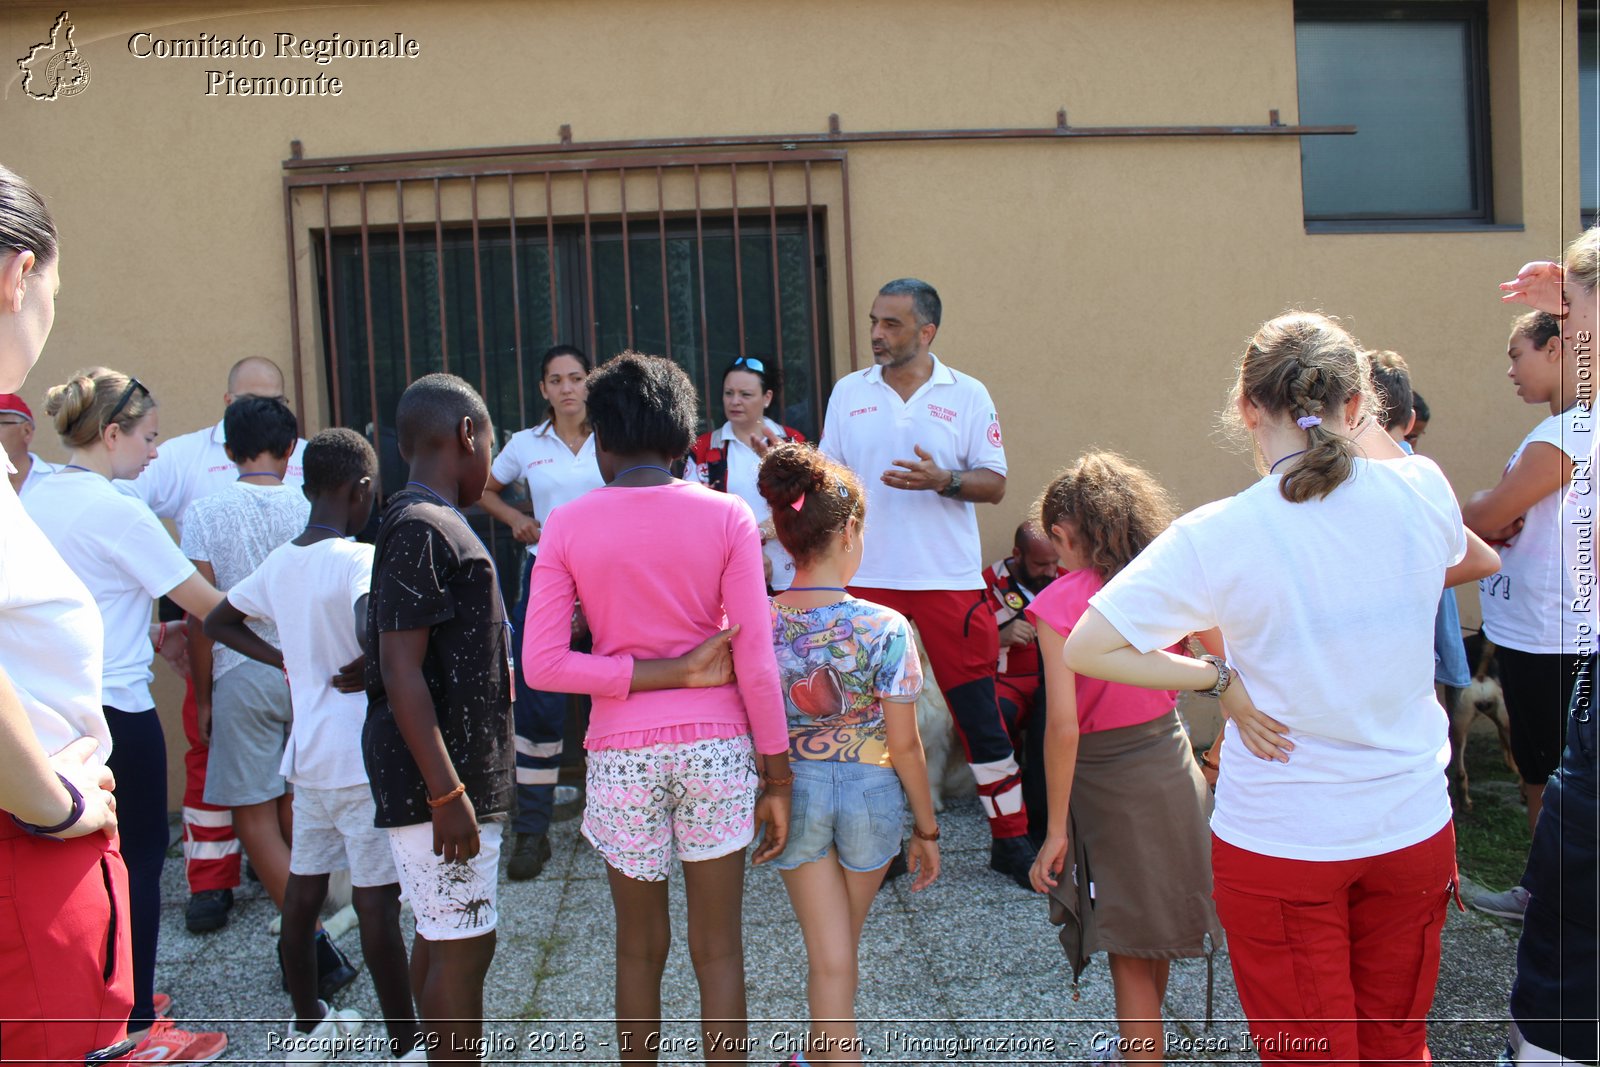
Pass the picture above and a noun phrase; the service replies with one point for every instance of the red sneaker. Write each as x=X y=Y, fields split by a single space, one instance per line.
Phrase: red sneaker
x=165 y=1043
x=163 y=1005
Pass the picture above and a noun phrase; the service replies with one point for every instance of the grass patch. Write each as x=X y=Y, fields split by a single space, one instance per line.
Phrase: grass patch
x=1491 y=839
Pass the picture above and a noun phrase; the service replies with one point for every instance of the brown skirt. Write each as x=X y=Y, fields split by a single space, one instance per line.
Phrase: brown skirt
x=1138 y=820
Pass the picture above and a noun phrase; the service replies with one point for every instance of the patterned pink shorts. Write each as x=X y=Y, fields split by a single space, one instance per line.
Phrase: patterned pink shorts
x=699 y=794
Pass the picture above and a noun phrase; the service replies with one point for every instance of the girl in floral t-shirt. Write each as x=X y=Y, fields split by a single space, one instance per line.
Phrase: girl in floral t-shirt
x=850 y=677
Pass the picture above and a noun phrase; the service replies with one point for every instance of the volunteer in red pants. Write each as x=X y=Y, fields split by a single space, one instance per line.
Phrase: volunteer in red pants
x=925 y=441
x=1012 y=583
x=211 y=851
x=191 y=466
x=1332 y=850
x=66 y=970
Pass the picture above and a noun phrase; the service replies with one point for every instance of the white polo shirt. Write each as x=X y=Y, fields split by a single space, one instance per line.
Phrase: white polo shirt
x=195 y=465
x=915 y=539
x=555 y=474
x=38 y=472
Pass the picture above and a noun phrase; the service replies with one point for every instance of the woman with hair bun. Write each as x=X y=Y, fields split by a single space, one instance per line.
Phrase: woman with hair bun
x=851 y=676
x=726 y=458
x=1333 y=860
x=109 y=423
x=64 y=952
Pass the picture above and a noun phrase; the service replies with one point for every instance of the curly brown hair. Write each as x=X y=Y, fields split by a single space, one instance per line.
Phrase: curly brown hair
x=829 y=495
x=1115 y=508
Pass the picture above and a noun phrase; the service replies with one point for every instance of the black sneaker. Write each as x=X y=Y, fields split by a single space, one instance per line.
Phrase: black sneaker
x=334 y=969
x=529 y=857
x=1013 y=857
x=208 y=910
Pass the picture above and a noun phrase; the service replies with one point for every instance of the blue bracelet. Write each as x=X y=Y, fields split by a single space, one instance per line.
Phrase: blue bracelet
x=72 y=817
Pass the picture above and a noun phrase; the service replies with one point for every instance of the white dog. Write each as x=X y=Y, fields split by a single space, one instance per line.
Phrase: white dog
x=1482 y=696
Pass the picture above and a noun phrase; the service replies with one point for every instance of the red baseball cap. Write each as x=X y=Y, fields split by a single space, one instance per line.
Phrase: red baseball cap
x=13 y=402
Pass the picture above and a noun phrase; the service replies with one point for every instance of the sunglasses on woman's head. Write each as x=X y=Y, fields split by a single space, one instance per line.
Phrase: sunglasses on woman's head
x=751 y=363
x=127 y=394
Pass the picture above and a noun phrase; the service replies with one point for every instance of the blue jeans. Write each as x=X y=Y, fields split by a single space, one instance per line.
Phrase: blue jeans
x=1556 y=955
x=856 y=809
x=540 y=722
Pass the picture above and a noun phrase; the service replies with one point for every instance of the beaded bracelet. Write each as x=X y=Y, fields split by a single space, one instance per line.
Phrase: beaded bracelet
x=769 y=781
x=439 y=802
x=926 y=837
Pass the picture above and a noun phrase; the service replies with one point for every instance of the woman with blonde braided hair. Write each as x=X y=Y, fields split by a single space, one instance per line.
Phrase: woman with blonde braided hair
x=1333 y=857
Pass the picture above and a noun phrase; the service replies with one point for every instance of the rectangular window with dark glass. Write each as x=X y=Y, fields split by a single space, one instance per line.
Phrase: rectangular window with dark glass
x=1413 y=79
x=680 y=288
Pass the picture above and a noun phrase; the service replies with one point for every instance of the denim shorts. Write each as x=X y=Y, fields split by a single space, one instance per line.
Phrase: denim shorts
x=856 y=809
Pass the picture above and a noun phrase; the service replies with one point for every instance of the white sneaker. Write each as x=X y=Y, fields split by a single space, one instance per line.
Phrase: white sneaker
x=324 y=1042
x=1508 y=905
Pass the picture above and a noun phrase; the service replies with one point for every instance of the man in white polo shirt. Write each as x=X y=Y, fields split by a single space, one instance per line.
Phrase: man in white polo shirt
x=187 y=468
x=16 y=434
x=925 y=441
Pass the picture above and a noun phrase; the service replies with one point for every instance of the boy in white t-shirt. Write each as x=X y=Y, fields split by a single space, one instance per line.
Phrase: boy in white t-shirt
x=313 y=590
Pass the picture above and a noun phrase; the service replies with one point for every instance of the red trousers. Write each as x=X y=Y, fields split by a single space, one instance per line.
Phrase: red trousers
x=66 y=953
x=963 y=643
x=210 y=849
x=1336 y=962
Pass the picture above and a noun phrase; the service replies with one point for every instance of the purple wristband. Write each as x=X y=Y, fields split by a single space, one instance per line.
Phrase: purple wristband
x=72 y=817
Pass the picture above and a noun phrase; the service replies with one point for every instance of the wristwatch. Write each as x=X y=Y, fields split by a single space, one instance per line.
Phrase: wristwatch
x=1224 y=677
x=952 y=490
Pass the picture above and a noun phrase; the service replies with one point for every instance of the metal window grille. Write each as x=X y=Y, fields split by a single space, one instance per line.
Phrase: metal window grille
x=477 y=267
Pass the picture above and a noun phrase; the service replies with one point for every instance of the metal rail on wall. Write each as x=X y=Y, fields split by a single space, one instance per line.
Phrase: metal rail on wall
x=807 y=184
x=835 y=134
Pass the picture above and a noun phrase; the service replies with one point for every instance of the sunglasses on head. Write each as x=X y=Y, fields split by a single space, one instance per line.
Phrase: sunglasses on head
x=751 y=363
x=127 y=394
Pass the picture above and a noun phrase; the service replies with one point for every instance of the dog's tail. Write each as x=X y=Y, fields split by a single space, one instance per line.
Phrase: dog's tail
x=1485 y=658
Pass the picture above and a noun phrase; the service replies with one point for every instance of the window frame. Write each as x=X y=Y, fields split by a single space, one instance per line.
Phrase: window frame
x=1476 y=15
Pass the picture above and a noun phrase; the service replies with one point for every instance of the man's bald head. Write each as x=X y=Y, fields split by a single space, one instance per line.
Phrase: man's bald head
x=254 y=376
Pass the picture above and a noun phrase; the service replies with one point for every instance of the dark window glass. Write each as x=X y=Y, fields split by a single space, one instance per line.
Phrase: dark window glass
x=1412 y=80
x=673 y=313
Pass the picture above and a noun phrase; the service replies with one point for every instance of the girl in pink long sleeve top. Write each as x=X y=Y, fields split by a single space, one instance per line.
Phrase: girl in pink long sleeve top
x=669 y=576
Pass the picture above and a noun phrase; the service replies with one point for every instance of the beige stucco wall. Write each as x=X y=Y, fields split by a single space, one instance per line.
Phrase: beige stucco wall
x=1100 y=287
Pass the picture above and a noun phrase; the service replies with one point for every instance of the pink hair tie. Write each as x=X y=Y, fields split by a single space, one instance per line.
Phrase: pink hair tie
x=799 y=501
x=1305 y=422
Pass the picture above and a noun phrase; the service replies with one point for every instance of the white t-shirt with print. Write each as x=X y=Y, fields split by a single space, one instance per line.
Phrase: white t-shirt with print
x=234 y=530
x=915 y=539
x=125 y=557
x=1522 y=602
x=1581 y=618
x=309 y=592
x=1327 y=610
x=195 y=465
x=555 y=474
x=52 y=642
x=743 y=467
x=38 y=472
